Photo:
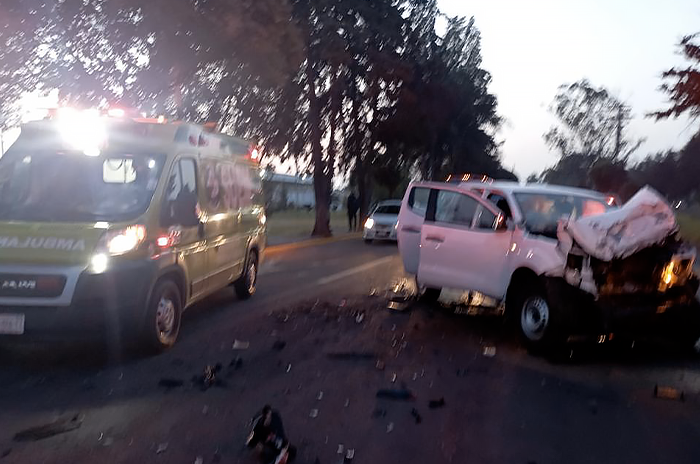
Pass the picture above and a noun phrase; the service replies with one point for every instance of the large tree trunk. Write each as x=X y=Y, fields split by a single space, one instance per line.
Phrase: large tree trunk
x=322 y=226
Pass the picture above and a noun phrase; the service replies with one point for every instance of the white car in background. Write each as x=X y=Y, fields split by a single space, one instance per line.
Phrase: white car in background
x=381 y=223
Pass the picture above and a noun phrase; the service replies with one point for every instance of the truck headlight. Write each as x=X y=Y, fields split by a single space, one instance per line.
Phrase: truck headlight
x=369 y=223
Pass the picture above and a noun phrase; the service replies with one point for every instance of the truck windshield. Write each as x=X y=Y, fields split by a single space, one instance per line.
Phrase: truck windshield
x=72 y=187
x=542 y=211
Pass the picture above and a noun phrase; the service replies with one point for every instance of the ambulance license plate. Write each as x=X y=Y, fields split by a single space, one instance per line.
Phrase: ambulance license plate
x=11 y=324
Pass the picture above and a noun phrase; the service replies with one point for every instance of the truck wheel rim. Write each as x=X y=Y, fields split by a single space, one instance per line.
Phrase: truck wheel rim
x=252 y=276
x=534 y=318
x=165 y=319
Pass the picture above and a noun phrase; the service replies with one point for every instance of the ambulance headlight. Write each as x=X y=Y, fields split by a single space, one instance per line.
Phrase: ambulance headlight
x=122 y=241
x=98 y=263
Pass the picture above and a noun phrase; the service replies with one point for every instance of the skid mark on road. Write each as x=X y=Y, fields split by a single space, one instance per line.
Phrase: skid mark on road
x=354 y=270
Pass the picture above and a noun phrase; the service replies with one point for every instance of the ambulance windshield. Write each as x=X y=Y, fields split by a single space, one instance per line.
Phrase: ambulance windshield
x=72 y=187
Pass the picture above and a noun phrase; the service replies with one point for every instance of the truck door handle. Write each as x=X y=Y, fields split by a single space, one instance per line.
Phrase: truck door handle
x=434 y=238
x=410 y=229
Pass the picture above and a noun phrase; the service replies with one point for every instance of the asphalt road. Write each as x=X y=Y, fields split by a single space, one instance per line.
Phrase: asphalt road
x=314 y=302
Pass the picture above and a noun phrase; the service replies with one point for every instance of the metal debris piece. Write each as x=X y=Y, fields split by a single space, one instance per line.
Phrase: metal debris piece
x=434 y=404
x=240 y=345
x=347 y=402
x=415 y=375
x=393 y=377
x=49 y=430
x=289 y=368
x=349 y=455
x=341 y=449
x=313 y=413
x=359 y=318
x=199 y=460
x=669 y=393
x=162 y=448
x=489 y=351
x=319 y=397
x=390 y=427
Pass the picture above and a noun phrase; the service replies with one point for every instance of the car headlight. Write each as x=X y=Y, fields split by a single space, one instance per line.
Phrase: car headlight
x=369 y=223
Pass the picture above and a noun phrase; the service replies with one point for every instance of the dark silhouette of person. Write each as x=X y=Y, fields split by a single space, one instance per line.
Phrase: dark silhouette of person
x=353 y=206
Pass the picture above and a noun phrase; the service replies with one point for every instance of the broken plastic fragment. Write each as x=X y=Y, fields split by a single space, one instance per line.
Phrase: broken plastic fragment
x=489 y=351
x=240 y=345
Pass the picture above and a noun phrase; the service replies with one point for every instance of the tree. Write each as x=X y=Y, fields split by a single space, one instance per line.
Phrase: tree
x=592 y=123
x=684 y=89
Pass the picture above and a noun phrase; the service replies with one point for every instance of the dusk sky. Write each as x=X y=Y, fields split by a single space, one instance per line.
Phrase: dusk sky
x=532 y=47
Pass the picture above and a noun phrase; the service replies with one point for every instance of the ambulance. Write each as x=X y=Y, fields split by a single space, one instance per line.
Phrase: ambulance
x=110 y=227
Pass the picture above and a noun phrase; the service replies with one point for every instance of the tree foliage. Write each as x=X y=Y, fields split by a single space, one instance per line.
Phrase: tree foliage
x=684 y=87
x=591 y=123
x=359 y=86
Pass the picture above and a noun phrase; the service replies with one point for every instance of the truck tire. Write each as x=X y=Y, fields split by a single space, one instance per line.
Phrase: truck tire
x=246 y=284
x=163 y=317
x=540 y=317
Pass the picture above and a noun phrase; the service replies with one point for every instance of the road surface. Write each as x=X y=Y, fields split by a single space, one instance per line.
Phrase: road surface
x=314 y=304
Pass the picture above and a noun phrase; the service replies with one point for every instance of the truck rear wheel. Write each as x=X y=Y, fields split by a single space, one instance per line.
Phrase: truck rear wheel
x=163 y=317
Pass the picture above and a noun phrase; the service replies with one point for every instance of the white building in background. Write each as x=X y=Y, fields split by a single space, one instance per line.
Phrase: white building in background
x=288 y=191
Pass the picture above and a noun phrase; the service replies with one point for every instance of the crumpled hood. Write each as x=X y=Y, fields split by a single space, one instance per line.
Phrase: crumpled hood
x=645 y=220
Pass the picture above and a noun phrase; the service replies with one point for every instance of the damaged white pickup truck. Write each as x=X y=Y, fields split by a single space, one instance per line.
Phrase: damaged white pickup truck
x=566 y=263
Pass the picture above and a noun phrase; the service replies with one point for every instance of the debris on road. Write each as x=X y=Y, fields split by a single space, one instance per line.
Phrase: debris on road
x=199 y=460
x=240 y=345
x=347 y=402
x=416 y=416
x=669 y=393
x=401 y=394
x=360 y=317
x=162 y=448
x=489 y=351
x=435 y=404
x=49 y=430
x=289 y=368
x=349 y=455
x=170 y=383
x=380 y=365
x=393 y=377
x=268 y=435
x=209 y=378
x=390 y=427
x=313 y=413
x=279 y=345
x=319 y=397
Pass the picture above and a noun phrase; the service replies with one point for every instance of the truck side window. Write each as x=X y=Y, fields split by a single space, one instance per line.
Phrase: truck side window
x=486 y=220
x=455 y=208
x=180 y=208
x=418 y=200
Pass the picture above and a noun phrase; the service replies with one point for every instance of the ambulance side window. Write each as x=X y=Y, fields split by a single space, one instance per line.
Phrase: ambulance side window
x=180 y=208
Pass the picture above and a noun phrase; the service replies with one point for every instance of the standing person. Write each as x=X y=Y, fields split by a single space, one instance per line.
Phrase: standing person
x=352 y=212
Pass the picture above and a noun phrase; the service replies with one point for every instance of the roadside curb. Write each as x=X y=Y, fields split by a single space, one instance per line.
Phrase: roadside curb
x=310 y=242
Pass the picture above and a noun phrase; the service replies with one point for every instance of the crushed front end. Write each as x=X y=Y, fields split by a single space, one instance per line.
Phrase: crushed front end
x=617 y=282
